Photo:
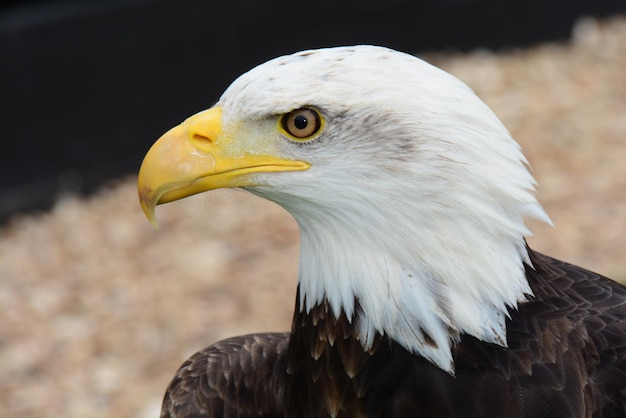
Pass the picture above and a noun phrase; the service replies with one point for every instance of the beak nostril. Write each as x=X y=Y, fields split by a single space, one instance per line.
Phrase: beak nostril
x=201 y=138
x=204 y=128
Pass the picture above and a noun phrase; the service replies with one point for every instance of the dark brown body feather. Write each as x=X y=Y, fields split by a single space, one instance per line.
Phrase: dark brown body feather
x=566 y=358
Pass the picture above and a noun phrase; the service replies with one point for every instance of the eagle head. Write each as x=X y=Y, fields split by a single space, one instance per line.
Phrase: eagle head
x=409 y=193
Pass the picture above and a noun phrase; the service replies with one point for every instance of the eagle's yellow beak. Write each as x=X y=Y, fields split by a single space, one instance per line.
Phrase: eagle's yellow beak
x=197 y=156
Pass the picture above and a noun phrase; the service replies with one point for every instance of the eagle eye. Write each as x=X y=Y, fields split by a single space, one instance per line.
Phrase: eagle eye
x=302 y=123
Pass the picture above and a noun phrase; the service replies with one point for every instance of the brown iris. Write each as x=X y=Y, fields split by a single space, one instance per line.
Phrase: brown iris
x=302 y=123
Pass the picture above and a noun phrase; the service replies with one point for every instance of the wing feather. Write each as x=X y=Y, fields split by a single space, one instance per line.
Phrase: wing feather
x=238 y=377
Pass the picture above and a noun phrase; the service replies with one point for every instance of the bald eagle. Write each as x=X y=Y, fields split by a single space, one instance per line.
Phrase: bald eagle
x=417 y=294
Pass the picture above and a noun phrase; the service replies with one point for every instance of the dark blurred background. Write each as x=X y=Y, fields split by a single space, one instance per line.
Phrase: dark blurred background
x=87 y=86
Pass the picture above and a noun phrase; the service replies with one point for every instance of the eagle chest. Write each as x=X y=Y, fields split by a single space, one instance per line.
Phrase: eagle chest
x=329 y=374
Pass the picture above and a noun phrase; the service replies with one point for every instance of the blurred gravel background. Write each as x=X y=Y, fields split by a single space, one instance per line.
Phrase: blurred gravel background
x=97 y=309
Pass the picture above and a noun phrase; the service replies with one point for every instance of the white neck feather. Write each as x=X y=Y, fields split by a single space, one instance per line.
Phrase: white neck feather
x=414 y=202
x=432 y=248
x=420 y=279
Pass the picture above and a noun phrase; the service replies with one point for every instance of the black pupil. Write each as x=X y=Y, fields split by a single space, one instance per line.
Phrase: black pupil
x=300 y=122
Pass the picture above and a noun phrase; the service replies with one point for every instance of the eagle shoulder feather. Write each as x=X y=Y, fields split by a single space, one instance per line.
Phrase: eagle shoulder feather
x=241 y=376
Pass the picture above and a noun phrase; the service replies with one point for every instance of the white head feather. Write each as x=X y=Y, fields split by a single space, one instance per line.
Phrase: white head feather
x=415 y=200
